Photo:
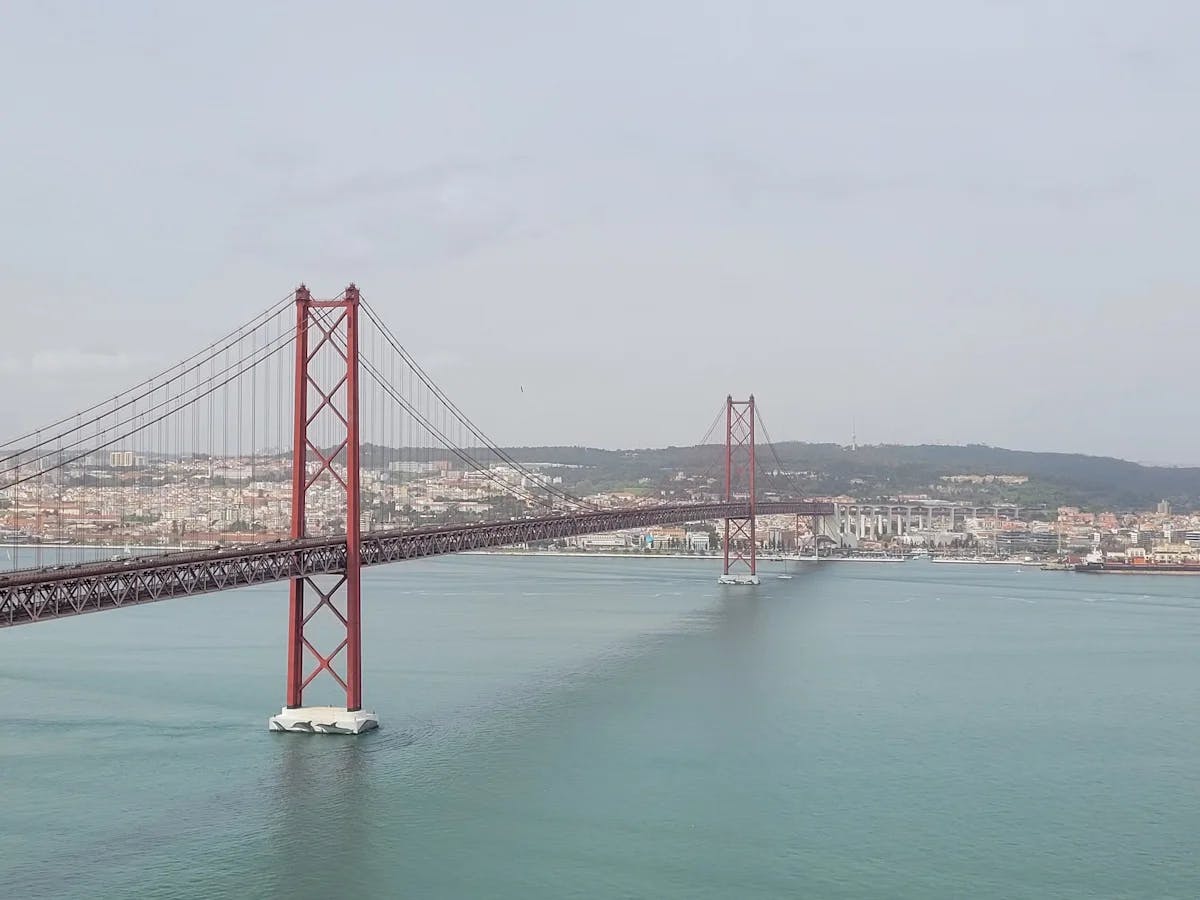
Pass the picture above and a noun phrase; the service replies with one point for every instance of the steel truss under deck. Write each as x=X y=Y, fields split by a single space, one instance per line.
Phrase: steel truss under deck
x=34 y=596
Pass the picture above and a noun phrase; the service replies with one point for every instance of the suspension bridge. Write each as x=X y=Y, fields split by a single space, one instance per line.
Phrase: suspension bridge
x=301 y=447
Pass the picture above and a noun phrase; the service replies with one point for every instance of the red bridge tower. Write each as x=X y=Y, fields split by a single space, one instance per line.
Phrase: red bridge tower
x=326 y=608
x=741 y=550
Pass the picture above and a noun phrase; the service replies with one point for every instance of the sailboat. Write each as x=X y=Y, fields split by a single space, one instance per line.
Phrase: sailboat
x=784 y=575
x=816 y=554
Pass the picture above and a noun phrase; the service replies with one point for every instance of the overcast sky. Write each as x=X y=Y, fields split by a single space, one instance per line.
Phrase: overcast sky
x=940 y=220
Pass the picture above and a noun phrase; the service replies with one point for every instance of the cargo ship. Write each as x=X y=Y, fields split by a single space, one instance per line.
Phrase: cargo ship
x=1135 y=564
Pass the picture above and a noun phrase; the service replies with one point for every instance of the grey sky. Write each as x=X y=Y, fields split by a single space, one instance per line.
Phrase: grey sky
x=947 y=220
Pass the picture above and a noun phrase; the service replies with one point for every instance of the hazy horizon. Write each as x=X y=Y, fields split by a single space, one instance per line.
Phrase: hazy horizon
x=942 y=222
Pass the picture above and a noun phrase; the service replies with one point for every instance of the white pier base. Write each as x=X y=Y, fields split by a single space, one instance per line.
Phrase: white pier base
x=738 y=579
x=323 y=720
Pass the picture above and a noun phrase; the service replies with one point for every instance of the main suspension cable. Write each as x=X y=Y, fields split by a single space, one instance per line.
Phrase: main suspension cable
x=212 y=388
x=462 y=417
x=197 y=359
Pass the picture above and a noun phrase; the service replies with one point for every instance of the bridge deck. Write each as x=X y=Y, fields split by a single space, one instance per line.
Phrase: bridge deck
x=32 y=596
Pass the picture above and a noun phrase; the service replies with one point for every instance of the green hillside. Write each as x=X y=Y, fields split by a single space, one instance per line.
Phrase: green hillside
x=1091 y=482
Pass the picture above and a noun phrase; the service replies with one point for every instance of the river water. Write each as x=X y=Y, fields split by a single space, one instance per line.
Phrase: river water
x=603 y=728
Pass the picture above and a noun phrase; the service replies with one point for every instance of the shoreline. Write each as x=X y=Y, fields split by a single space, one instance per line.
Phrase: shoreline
x=773 y=558
x=160 y=549
x=691 y=556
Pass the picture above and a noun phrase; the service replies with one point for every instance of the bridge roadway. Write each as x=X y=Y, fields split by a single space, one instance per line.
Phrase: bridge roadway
x=36 y=595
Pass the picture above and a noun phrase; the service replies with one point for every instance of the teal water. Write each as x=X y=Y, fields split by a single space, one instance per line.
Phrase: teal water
x=603 y=728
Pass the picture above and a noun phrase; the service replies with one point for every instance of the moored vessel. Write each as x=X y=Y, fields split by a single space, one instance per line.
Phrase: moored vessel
x=1135 y=563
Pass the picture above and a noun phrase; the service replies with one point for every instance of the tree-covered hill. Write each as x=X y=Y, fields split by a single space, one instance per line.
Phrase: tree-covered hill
x=886 y=470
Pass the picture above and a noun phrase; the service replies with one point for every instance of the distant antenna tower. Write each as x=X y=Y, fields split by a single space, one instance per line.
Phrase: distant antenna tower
x=853 y=436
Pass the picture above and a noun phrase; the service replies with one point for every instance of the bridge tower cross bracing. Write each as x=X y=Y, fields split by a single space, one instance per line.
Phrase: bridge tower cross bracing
x=741 y=546
x=326 y=394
